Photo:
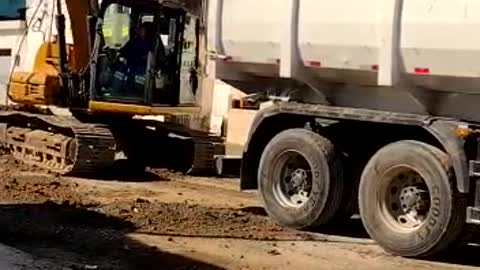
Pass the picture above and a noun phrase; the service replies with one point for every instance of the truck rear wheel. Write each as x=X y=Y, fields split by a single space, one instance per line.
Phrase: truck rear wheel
x=300 y=179
x=407 y=202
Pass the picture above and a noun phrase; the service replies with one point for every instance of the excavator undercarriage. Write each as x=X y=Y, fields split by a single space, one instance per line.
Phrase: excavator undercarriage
x=59 y=144
x=68 y=146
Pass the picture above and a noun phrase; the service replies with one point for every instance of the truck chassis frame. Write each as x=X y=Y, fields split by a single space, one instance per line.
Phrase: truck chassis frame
x=458 y=139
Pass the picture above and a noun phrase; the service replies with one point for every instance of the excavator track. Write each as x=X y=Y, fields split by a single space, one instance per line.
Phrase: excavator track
x=60 y=144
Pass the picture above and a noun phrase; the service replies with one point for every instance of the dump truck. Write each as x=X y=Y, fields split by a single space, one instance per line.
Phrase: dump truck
x=334 y=106
x=374 y=107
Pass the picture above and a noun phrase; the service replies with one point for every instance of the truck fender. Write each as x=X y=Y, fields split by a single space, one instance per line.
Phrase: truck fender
x=444 y=132
x=251 y=154
x=267 y=123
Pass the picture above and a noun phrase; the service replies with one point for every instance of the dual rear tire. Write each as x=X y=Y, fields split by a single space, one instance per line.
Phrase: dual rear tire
x=407 y=199
x=408 y=202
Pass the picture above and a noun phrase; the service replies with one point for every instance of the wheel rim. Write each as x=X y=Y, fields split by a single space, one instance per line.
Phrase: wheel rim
x=292 y=180
x=404 y=199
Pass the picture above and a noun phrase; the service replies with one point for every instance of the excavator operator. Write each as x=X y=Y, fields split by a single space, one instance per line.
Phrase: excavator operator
x=136 y=50
x=133 y=58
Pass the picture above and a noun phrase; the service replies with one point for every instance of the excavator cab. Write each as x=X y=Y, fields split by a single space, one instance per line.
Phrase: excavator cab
x=141 y=48
x=136 y=55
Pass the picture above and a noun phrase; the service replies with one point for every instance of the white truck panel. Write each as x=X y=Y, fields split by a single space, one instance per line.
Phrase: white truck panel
x=340 y=35
x=441 y=36
x=371 y=42
x=353 y=44
x=250 y=33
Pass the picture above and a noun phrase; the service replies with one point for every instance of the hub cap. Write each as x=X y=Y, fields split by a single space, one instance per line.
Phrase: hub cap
x=292 y=180
x=404 y=198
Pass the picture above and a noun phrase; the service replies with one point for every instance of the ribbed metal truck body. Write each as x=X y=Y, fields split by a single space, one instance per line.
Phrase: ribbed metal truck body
x=405 y=56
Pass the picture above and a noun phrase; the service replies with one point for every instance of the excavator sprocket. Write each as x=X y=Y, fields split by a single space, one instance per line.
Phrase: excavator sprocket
x=60 y=144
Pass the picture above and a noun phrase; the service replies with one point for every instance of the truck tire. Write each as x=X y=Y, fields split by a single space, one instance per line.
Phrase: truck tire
x=408 y=203
x=300 y=179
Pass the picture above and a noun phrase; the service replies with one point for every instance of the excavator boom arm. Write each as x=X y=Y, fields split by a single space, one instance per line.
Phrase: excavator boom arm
x=78 y=11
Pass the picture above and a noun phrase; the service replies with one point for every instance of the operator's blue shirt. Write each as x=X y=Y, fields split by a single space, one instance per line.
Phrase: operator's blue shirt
x=136 y=52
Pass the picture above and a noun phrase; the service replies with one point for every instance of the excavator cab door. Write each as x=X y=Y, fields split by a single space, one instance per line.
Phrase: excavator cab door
x=139 y=55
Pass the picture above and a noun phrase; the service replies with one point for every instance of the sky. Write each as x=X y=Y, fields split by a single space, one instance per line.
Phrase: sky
x=9 y=8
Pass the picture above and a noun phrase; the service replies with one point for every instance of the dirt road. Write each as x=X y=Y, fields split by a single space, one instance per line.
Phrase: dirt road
x=162 y=220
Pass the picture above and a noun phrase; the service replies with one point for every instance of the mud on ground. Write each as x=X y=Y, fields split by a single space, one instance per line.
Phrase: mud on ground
x=163 y=220
x=54 y=216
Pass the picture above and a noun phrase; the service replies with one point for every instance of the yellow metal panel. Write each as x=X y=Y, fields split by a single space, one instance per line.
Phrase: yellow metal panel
x=78 y=11
x=33 y=88
x=132 y=109
x=47 y=58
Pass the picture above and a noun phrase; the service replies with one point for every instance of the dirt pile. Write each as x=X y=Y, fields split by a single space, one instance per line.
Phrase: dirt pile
x=184 y=219
x=176 y=219
x=40 y=189
x=59 y=219
x=52 y=218
x=76 y=238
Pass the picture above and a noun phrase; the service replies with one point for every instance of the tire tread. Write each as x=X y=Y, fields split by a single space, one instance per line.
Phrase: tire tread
x=328 y=150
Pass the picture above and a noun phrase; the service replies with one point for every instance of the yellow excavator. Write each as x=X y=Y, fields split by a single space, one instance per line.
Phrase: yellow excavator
x=106 y=88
